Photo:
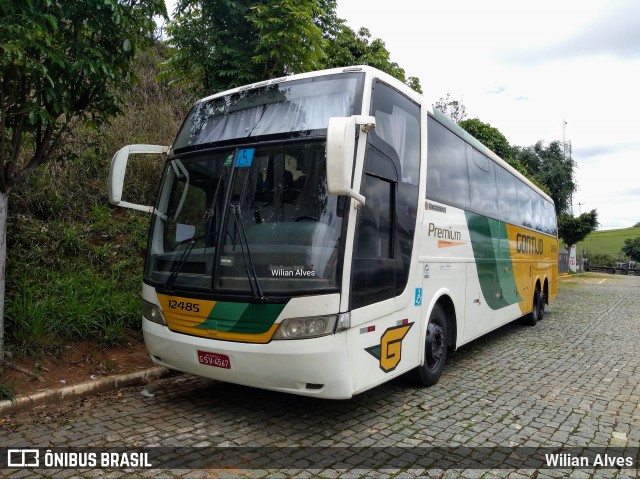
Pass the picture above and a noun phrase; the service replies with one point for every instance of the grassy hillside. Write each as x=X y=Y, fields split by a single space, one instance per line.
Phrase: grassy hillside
x=74 y=264
x=607 y=242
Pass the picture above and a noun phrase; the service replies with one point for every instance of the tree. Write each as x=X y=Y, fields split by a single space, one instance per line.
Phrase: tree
x=452 y=108
x=221 y=44
x=574 y=229
x=290 y=40
x=351 y=48
x=61 y=63
x=631 y=248
x=550 y=166
x=488 y=136
x=414 y=83
x=546 y=166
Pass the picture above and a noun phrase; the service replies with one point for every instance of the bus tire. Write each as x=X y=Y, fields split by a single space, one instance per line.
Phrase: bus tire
x=533 y=317
x=435 y=350
x=542 y=303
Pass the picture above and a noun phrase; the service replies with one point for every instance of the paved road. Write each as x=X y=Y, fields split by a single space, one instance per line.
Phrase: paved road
x=573 y=380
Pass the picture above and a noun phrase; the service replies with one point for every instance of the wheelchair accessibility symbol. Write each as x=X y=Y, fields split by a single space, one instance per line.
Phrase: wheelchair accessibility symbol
x=245 y=157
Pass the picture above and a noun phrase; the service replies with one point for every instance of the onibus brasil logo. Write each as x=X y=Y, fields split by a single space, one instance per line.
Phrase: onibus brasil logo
x=389 y=351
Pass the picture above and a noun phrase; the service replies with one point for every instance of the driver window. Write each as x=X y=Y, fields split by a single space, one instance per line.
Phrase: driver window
x=397 y=131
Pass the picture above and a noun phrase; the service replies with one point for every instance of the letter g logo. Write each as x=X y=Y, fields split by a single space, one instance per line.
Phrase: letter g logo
x=389 y=350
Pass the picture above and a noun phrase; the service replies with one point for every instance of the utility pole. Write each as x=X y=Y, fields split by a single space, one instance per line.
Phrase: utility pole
x=564 y=151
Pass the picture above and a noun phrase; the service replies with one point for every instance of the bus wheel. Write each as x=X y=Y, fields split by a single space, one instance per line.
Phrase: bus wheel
x=532 y=318
x=435 y=351
x=542 y=303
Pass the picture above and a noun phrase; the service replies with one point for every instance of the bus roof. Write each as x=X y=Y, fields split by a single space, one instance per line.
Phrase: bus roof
x=394 y=82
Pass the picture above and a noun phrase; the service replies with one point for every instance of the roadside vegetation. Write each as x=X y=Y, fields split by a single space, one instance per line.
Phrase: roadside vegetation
x=75 y=262
x=607 y=244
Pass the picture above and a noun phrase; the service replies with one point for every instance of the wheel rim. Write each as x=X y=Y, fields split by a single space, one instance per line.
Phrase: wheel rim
x=436 y=346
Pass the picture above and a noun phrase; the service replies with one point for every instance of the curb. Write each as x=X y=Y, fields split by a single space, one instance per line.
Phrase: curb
x=51 y=396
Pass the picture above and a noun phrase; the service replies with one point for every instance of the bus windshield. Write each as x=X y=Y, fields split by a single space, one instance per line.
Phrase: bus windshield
x=255 y=220
x=287 y=107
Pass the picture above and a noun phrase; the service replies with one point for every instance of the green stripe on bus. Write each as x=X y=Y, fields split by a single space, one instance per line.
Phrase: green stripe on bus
x=247 y=318
x=490 y=245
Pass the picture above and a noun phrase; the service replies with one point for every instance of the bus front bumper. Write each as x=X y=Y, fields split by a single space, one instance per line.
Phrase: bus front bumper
x=316 y=367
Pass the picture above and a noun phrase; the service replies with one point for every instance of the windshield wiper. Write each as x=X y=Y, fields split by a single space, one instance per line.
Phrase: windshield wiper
x=178 y=265
x=252 y=276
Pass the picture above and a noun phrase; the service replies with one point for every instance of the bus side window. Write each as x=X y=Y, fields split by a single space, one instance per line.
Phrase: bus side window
x=537 y=211
x=507 y=197
x=397 y=131
x=447 y=173
x=374 y=269
x=375 y=220
x=524 y=204
x=482 y=183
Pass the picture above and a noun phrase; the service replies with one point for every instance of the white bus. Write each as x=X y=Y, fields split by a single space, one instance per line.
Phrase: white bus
x=323 y=233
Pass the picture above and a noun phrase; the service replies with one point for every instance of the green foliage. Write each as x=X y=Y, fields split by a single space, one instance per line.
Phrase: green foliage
x=76 y=261
x=452 y=108
x=608 y=242
x=213 y=44
x=550 y=167
x=574 y=229
x=5 y=390
x=631 y=248
x=222 y=44
x=351 y=48
x=414 y=83
x=62 y=63
x=289 y=39
x=152 y=112
x=603 y=259
x=488 y=136
x=74 y=281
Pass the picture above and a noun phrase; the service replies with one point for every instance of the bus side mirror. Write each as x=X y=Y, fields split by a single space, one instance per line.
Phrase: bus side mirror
x=118 y=169
x=341 y=145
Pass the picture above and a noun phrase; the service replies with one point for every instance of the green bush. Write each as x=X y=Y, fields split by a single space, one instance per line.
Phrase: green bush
x=600 y=259
x=69 y=281
x=5 y=390
x=74 y=265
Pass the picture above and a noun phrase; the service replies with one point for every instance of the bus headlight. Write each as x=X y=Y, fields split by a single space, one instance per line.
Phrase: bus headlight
x=153 y=313
x=313 y=326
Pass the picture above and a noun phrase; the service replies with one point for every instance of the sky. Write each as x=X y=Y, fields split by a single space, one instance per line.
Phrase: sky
x=526 y=67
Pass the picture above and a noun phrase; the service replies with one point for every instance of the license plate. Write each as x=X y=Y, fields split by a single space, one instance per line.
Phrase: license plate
x=214 y=359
